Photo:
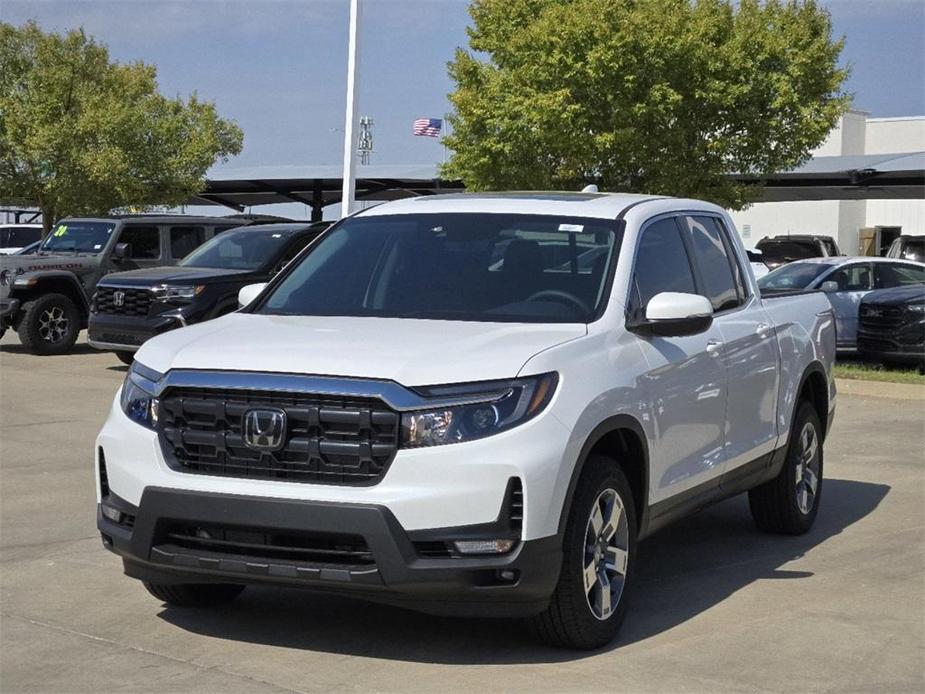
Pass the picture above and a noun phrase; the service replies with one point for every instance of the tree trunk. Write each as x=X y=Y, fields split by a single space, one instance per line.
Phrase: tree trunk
x=48 y=218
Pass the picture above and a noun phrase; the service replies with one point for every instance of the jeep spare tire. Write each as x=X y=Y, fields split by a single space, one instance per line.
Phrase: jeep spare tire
x=49 y=324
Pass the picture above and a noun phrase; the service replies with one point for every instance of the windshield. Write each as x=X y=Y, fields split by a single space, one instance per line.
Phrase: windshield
x=239 y=249
x=788 y=250
x=793 y=276
x=79 y=237
x=914 y=249
x=477 y=267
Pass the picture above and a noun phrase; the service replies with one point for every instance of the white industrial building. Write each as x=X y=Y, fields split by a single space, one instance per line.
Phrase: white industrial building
x=848 y=221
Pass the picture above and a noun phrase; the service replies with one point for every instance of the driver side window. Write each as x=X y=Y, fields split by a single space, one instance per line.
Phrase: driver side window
x=662 y=263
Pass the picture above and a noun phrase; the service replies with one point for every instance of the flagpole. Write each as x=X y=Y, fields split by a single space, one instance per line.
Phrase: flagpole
x=349 y=175
x=446 y=131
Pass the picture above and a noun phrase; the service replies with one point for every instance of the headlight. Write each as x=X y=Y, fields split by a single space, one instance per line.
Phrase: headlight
x=916 y=308
x=176 y=293
x=505 y=405
x=138 y=401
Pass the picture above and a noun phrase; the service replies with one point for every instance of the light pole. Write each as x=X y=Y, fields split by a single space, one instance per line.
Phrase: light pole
x=349 y=189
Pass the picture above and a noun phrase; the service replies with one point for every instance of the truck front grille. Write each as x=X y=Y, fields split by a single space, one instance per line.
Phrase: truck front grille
x=327 y=439
x=880 y=319
x=133 y=302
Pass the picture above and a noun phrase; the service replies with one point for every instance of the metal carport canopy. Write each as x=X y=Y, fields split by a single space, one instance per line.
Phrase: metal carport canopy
x=317 y=186
x=849 y=177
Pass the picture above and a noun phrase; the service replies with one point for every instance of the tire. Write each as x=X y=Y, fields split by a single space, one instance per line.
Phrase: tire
x=788 y=504
x=49 y=325
x=126 y=357
x=194 y=594
x=574 y=617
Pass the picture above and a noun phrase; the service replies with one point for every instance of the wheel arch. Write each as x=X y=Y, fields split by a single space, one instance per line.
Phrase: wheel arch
x=814 y=387
x=43 y=283
x=622 y=438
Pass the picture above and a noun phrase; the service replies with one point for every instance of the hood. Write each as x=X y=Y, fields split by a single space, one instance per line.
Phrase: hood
x=409 y=352
x=170 y=274
x=910 y=293
x=20 y=264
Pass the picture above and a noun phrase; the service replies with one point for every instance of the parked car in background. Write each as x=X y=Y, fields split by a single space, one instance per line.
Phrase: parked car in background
x=398 y=417
x=780 y=250
x=130 y=307
x=891 y=326
x=45 y=297
x=908 y=247
x=846 y=280
x=15 y=237
x=756 y=260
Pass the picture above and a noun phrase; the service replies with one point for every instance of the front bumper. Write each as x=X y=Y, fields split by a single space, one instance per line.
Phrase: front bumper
x=115 y=332
x=516 y=584
x=9 y=308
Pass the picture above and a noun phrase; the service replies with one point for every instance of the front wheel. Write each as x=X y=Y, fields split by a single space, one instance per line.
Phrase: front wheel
x=788 y=504
x=49 y=324
x=194 y=594
x=590 y=601
x=126 y=357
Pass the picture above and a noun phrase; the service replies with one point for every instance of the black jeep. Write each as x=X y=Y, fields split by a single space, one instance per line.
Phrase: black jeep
x=130 y=307
x=45 y=297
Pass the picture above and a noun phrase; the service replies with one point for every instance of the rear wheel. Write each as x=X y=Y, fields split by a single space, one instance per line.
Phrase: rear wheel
x=590 y=601
x=49 y=324
x=788 y=504
x=195 y=594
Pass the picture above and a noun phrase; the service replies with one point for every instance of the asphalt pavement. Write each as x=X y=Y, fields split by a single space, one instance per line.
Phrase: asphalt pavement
x=719 y=606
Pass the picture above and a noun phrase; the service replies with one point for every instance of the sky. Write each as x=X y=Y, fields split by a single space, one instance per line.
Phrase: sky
x=278 y=67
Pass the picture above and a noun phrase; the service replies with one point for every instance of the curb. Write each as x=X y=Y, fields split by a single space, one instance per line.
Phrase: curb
x=880 y=389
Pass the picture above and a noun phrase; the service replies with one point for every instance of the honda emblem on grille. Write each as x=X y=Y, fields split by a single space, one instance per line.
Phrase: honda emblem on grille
x=118 y=298
x=264 y=430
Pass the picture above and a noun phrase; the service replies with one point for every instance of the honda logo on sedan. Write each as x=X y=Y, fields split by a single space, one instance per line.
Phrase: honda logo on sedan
x=118 y=298
x=264 y=430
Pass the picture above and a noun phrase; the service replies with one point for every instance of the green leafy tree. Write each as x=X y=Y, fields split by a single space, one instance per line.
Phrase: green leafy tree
x=81 y=134
x=657 y=96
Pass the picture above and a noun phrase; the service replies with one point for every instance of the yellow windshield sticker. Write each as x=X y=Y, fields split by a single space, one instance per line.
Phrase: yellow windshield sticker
x=61 y=230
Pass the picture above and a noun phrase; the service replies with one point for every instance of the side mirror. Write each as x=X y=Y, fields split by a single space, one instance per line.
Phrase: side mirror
x=122 y=251
x=249 y=292
x=829 y=286
x=675 y=314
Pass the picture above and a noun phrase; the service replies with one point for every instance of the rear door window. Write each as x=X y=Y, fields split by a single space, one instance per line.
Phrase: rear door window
x=887 y=275
x=662 y=264
x=717 y=272
x=145 y=242
x=185 y=239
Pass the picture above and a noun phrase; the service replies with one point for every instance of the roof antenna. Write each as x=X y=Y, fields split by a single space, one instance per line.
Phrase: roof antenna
x=591 y=188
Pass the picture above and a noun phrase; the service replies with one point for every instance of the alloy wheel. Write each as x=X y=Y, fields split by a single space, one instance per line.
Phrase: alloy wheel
x=807 y=470
x=606 y=554
x=53 y=324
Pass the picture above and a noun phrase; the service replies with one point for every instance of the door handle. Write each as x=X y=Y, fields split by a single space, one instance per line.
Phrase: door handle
x=763 y=330
x=714 y=347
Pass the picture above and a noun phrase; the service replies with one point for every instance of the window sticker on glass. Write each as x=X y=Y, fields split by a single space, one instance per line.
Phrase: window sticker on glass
x=572 y=228
x=97 y=246
x=61 y=230
x=277 y=236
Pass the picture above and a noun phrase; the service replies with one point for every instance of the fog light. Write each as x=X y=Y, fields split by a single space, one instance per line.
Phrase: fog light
x=113 y=514
x=483 y=546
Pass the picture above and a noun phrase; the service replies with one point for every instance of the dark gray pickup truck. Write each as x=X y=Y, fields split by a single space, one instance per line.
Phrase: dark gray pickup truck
x=45 y=297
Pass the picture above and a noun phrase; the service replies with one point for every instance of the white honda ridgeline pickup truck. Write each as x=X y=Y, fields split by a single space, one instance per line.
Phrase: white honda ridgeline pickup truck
x=471 y=404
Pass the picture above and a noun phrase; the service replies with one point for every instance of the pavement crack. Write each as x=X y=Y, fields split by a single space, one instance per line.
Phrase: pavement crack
x=138 y=649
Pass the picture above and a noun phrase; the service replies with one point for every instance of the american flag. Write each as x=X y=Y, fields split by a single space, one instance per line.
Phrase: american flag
x=428 y=127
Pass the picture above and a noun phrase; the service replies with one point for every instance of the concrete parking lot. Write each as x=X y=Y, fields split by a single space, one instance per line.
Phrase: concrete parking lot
x=719 y=606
